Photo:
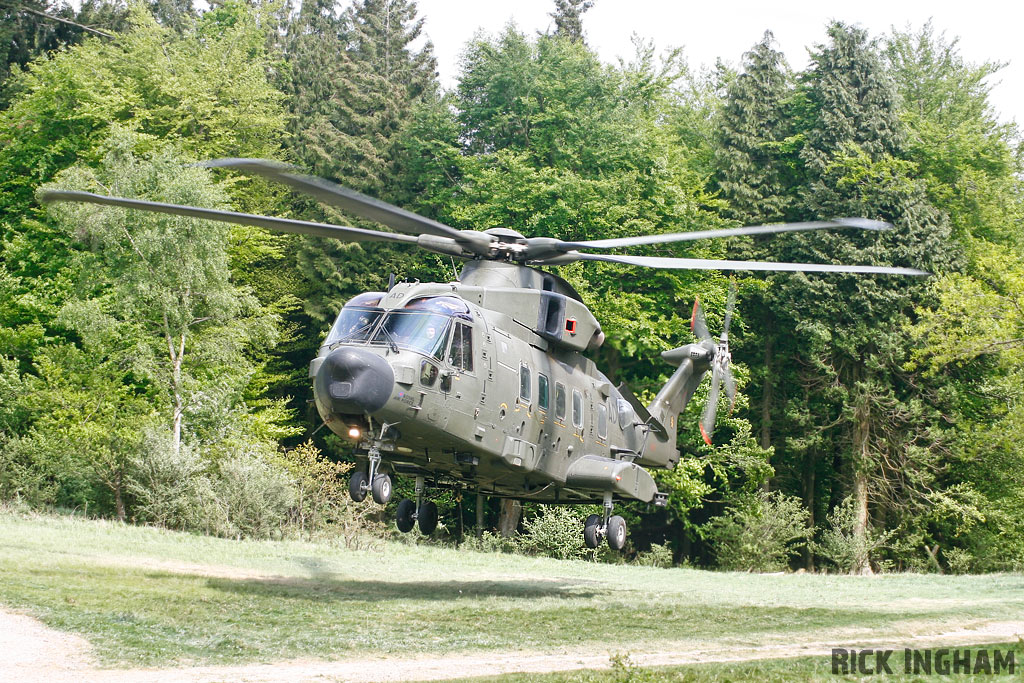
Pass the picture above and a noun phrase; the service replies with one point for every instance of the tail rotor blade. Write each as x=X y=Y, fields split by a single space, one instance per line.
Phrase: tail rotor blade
x=730 y=388
x=728 y=310
x=698 y=325
x=707 y=423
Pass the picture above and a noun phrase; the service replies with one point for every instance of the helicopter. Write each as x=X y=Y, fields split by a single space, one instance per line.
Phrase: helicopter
x=483 y=382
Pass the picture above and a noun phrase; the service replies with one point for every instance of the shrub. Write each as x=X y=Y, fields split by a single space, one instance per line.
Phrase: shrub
x=490 y=542
x=170 y=489
x=841 y=545
x=253 y=496
x=658 y=556
x=555 y=532
x=760 y=532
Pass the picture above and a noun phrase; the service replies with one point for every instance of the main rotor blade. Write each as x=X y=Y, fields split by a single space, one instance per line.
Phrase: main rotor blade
x=353 y=202
x=711 y=264
x=338 y=232
x=860 y=223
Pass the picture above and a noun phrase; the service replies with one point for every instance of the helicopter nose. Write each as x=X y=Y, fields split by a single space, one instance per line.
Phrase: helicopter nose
x=353 y=381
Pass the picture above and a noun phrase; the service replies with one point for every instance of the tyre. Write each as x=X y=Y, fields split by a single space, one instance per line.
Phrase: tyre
x=381 y=488
x=357 y=486
x=592 y=531
x=427 y=517
x=616 y=532
x=405 y=518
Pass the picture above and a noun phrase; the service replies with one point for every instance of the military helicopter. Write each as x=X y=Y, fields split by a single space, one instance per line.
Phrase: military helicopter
x=483 y=383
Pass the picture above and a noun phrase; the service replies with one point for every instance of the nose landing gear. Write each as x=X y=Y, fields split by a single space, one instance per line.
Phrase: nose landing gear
x=376 y=482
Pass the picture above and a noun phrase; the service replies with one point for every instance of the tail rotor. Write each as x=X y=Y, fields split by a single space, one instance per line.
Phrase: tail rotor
x=720 y=362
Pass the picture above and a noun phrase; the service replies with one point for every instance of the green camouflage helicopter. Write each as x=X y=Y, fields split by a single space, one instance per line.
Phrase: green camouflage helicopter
x=482 y=383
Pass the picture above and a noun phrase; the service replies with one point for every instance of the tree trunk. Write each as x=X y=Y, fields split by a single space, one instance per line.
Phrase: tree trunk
x=179 y=403
x=766 y=403
x=809 y=482
x=861 y=450
x=508 y=520
x=118 y=498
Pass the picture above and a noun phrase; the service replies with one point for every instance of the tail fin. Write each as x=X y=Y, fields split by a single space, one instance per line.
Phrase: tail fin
x=692 y=361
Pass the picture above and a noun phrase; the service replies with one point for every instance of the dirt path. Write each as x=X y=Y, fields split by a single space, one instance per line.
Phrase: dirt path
x=30 y=651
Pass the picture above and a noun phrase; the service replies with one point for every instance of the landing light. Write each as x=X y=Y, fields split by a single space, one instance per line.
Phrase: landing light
x=354 y=432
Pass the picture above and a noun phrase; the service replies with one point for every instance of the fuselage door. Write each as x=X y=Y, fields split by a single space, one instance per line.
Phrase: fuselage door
x=460 y=380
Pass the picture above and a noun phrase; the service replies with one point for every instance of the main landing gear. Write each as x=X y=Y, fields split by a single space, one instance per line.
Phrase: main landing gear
x=422 y=512
x=600 y=527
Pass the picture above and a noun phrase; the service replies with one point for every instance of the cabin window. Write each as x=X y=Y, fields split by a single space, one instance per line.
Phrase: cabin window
x=577 y=409
x=460 y=354
x=428 y=373
x=625 y=413
x=542 y=392
x=524 y=383
x=602 y=421
x=611 y=410
x=559 y=400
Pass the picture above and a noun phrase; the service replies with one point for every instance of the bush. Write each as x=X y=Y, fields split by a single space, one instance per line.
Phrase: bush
x=253 y=496
x=555 y=532
x=490 y=542
x=658 y=556
x=841 y=545
x=760 y=532
x=170 y=489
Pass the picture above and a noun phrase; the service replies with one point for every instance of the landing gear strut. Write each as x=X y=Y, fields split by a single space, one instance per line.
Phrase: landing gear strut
x=422 y=512
x=376 y=482
x=600 y=527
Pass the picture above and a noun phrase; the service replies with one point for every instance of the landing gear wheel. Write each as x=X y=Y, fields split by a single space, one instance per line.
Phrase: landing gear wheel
x=381 y=488
x=616 y=532
x=427 y=517
x=405 y=519
x=592 y=531
x=357 y=486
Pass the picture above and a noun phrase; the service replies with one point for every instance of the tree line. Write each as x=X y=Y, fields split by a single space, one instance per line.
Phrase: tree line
x=154 y=368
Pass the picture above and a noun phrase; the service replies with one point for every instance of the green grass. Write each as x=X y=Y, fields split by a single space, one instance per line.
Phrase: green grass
x=150 y=597
x=763 y=671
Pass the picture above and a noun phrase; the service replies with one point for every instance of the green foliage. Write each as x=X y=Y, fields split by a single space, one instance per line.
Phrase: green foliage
x=252 y=496
x=205 y=91
x=760 y=532
x=554 y=532
x=845 y=545
x=754 y=170
x=658 y=556
x=171 y=488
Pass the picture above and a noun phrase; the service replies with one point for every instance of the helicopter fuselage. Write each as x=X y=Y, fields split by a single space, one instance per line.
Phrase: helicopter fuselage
x=478 y=384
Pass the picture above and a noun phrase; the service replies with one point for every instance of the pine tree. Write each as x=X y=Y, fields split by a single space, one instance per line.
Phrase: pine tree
x=354 y=83
x=851 y=328
x=568 y=16
x=752 y=168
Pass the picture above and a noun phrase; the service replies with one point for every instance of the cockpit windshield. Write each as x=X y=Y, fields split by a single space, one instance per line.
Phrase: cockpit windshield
x=422 y=325
x=357 y=319
x=416 y=330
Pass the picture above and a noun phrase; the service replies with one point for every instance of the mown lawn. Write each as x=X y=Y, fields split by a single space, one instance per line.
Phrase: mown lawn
x=150 y=597
x=763 y=671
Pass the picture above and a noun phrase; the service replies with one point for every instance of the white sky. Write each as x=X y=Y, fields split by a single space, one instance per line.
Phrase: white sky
x=988 y=30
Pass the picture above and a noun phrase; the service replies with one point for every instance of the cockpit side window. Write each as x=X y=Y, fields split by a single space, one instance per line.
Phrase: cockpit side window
x=460 y=355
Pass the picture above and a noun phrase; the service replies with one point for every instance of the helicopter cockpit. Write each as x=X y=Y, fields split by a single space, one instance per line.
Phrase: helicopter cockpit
x=423 y=325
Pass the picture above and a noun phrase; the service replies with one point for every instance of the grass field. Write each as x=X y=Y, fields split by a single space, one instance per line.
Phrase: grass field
x=150 y=597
